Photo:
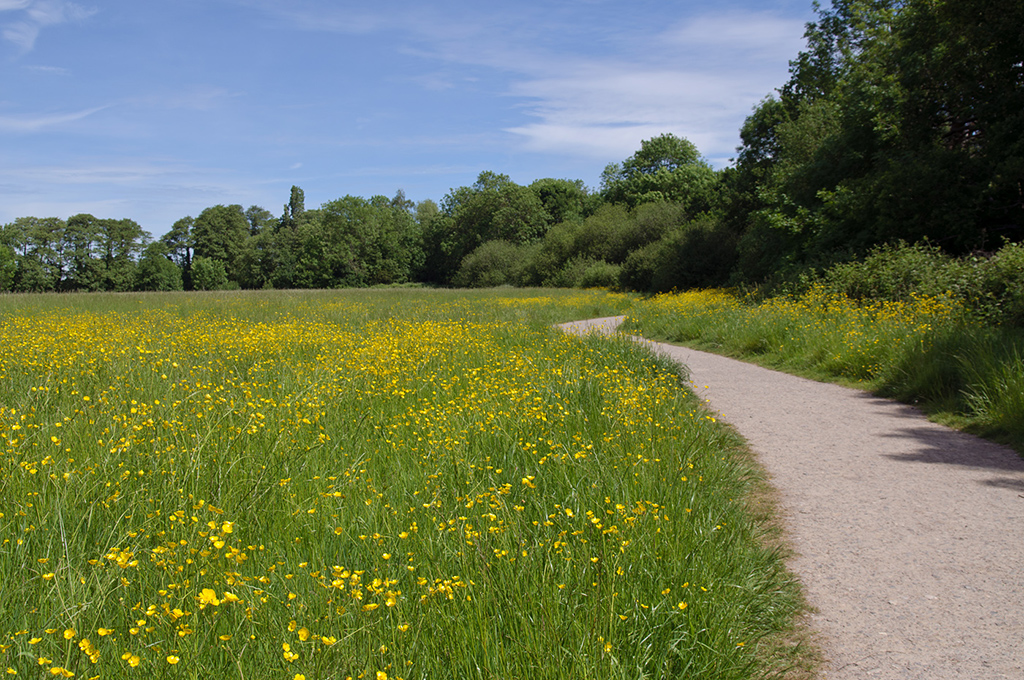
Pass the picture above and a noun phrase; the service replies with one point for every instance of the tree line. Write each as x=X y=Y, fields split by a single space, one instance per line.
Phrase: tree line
x=901 y=121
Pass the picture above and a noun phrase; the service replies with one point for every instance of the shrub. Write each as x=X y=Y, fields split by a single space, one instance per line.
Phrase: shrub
x=208 y=274
x=600 y=274
x=495 y=263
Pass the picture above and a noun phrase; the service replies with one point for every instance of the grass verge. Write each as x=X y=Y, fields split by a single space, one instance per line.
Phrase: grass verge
x=927 y=351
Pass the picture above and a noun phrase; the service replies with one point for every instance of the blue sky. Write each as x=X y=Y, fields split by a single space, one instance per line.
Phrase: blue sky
x=156 y=109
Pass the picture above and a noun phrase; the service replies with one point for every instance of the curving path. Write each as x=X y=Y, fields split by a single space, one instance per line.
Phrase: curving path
x=909 y=536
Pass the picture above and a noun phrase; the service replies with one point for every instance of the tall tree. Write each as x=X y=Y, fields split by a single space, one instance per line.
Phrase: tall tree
x=494 y=208
x=259 y=219
x=156 y=270
x=84 y=266
x=665 y=168
x=219 y=233
x=119 y=243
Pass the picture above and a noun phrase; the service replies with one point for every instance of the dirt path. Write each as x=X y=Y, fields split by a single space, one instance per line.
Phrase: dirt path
x=909 y=536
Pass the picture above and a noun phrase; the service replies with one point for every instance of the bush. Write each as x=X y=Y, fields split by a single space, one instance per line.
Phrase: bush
x=1001 y=285
x=208 y=274
x=991 y=287
x=893 y=272
x=573 y=273
x=495 y=263
x=600 y=274
x=699 y=255
x=639 y=268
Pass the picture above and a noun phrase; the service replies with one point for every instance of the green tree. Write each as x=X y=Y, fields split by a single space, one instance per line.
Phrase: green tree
x=665 y=168
x=119 y=243
x=564 y=200
x=8 y=267
x=219 y=233
x=41 y=262
x=208 y=273
x=84 y=265
x=901 y=121
x=179 y=247
x=259 y=219
x=156 y=271
x=494 y=208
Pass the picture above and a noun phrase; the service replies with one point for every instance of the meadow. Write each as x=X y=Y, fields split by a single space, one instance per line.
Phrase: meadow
x=930 y=350
x=369 y=484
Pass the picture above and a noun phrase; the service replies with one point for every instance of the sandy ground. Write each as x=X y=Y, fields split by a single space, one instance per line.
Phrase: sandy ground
x=909 y=536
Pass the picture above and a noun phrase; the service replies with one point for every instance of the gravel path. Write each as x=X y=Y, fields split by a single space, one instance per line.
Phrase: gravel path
x=909 y=536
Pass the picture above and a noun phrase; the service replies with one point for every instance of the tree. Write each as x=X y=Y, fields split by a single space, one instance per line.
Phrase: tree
x=208 y=273
x=119 y=243
x=40 y=264
x=8 y=267
x=219 y=233
x=494 y=208
x=156 y=270
x=564 y=200
x=294 y=208
x=84 y=266
x=665 y=168
x=901 y=121
x=259 y=219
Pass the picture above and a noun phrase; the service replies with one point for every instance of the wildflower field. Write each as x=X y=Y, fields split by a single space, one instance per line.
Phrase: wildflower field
x=367 y=484
x=928 y=350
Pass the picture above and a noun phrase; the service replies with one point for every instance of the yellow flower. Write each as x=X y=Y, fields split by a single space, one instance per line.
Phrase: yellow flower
x=328 y=640
x=299 y=676
x=225 y=638
x=303 y=634
x=208 y=596
x=171 y=659
x=381 y=675
x=48 y=577
x=230 y=597
x=103 y=632
x=69 y=634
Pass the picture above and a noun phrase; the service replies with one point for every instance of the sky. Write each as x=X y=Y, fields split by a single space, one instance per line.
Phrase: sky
x=156 y=109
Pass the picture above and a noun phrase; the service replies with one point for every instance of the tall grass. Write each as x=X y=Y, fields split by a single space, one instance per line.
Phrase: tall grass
x=928 y=350
x=383 y=484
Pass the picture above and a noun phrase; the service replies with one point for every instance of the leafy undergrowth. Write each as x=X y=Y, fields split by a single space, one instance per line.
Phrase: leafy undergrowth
x=928 y=350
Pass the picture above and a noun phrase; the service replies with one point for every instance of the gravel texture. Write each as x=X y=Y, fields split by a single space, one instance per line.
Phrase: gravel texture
x=909 y=536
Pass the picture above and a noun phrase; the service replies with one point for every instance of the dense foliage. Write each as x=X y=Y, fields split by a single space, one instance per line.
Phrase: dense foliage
x=902 y=122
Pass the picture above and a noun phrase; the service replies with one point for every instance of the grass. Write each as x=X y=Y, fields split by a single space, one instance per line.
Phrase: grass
x=927 y=351
x=369 y=484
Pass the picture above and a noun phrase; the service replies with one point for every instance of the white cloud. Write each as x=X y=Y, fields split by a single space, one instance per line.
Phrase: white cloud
x=35 y=123
x=53 y=70
x=701 y=83
x=39 y=14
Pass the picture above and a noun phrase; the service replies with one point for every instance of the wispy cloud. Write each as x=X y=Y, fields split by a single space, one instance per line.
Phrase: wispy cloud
x=708 y=74
x=35 y=123
x=594 y=95
x=51 y=70
x=196 y=98
x=36 y=15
